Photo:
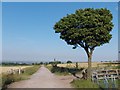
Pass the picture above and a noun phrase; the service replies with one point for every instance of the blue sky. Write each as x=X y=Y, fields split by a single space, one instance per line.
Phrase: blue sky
x=60 y=0
x=28 y=33
x=119 y=31
x=0 y=31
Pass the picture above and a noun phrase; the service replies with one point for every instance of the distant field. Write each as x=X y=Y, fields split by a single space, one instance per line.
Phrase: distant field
x=7 y=79
x=4 y=69
x=82 y=64
x=85 y=64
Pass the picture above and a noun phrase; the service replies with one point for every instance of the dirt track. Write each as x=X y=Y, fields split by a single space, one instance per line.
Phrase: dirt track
x=43 y=78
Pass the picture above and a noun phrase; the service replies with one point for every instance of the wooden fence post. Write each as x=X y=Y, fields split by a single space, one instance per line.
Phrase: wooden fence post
x=19 y=71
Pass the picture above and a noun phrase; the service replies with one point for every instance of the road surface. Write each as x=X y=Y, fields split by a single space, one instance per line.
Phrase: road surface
x=43 y=78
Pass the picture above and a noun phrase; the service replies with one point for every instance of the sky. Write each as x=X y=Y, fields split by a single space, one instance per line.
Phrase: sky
x=0 y=31
x=28 y=34
x=119 y=31
x=59 y=0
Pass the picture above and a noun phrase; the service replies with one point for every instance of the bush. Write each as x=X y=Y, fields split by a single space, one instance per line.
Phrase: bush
x=64 y=70
x=69 y=61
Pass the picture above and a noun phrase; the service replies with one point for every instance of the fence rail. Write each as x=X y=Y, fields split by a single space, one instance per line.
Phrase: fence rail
x=14 y=71
x=107 y=77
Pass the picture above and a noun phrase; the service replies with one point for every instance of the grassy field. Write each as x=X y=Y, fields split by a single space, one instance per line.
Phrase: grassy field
x=8 y=79
x=82 y=64
x=5 y=69
x=85 y=64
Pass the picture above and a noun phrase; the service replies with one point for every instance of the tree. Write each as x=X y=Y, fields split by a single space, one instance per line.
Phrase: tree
x=87 y=28
x=41 y=63
x=69 y=61
x=77 y=65
x=54 y=63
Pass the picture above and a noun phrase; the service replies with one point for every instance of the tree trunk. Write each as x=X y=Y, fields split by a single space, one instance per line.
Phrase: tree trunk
x=89 y=54
x=89 y=66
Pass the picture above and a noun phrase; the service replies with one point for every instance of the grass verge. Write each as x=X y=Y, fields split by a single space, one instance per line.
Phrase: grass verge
x=10 y=78
x=84 y=84
x=91 y=85
x=115 y=84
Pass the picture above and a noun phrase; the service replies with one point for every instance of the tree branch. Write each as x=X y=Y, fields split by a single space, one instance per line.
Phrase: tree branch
x=81 y=44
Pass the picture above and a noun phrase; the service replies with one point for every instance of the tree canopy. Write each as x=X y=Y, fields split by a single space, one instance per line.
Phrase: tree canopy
x=69 y=61
x=86 y=27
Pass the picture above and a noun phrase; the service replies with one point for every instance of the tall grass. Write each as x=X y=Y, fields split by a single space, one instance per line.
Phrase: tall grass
x=80 y=83
x=116 y=84
x=10 y=78
x=84 y=84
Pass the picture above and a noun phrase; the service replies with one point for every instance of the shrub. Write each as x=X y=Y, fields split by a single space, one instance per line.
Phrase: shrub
x=69 y=61
x=65 y=71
